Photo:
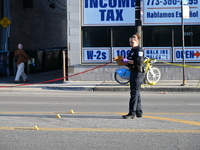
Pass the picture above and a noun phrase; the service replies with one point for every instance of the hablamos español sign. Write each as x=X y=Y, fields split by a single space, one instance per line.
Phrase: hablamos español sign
x=168 y=12
x=108 y=12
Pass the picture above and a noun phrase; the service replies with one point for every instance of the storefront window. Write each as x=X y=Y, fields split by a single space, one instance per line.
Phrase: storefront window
x=157 y=36
x=195 y=35
x=102 y=36
x=96 y=37
x=191 y=35
x=121 y=36
x=178 y=36
x=153 y=36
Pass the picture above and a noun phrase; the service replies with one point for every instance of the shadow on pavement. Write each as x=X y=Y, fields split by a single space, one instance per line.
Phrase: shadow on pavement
x=38 y=77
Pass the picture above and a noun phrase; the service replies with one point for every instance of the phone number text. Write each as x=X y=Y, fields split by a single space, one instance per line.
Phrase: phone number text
x=170 y=2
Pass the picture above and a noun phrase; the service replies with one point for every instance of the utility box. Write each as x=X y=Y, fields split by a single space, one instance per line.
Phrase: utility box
x=38 y=60
x=56 y=58
x=3 y=62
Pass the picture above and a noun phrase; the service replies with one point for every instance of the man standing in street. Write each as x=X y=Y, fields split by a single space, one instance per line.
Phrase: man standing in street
x=20 y=57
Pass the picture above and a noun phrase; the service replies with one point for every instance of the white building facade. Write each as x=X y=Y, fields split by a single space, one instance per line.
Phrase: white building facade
x=98 y=30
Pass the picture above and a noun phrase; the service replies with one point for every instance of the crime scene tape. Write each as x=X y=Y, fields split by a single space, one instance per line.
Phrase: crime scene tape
x=180 y=65
x=57 y=78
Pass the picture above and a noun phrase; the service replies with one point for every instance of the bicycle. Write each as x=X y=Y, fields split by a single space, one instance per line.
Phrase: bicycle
x=152 y=74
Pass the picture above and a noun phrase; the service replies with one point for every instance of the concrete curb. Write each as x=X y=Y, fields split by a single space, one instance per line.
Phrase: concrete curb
x=104 y=89
x=125 y=89
x=70 y=88
x=107 y=86
x=165 y=89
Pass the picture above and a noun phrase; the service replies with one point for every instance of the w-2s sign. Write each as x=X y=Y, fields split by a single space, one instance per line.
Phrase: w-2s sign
x=95 y=55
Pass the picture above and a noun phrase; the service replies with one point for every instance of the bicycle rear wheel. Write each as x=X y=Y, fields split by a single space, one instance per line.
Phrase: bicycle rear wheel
x=153 y=75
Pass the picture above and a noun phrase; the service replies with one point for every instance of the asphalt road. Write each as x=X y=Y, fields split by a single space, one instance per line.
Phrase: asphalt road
x=28 y=121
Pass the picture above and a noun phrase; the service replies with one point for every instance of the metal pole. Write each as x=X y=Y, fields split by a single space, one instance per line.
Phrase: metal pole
x=65 y=71
x=6 y=32
x=64 y=66
x=138 y=22
x=183 y=45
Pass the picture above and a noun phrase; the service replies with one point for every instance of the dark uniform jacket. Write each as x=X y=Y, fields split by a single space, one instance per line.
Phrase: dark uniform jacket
x=137 y=55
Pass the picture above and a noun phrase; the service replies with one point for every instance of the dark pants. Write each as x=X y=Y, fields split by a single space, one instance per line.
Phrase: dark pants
x=136 y=79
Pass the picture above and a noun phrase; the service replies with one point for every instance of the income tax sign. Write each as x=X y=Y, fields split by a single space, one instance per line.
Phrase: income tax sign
x=168 y=12
x=108 y=12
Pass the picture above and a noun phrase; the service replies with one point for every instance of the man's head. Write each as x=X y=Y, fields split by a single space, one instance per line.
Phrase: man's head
x=20 y=46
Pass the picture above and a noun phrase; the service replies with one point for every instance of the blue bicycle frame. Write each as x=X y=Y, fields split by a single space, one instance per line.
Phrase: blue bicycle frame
x=123 y=73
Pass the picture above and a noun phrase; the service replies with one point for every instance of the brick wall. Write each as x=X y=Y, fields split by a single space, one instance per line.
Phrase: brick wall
x=38 y=27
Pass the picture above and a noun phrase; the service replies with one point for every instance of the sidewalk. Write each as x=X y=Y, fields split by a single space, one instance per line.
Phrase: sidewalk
x=112 y=86
x=96 y=86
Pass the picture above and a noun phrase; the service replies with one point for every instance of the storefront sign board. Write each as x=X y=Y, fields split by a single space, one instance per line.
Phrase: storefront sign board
x=108 y=12
x=158 y=53
x=192 y=54
x=168 y=12
x=96 y=55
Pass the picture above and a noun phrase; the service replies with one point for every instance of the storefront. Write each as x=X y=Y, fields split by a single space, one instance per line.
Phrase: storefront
x=98 y=30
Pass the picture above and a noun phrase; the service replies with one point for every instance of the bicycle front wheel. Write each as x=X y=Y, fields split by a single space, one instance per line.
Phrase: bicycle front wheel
x=153 y=75
x=121 y=80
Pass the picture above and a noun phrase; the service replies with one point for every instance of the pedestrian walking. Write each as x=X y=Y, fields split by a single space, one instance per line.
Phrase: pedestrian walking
x=135 y=63
x=20 y=57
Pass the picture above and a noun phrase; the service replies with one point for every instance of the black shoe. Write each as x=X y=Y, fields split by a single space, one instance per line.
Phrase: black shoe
x=139 y=114
x=128 y=116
